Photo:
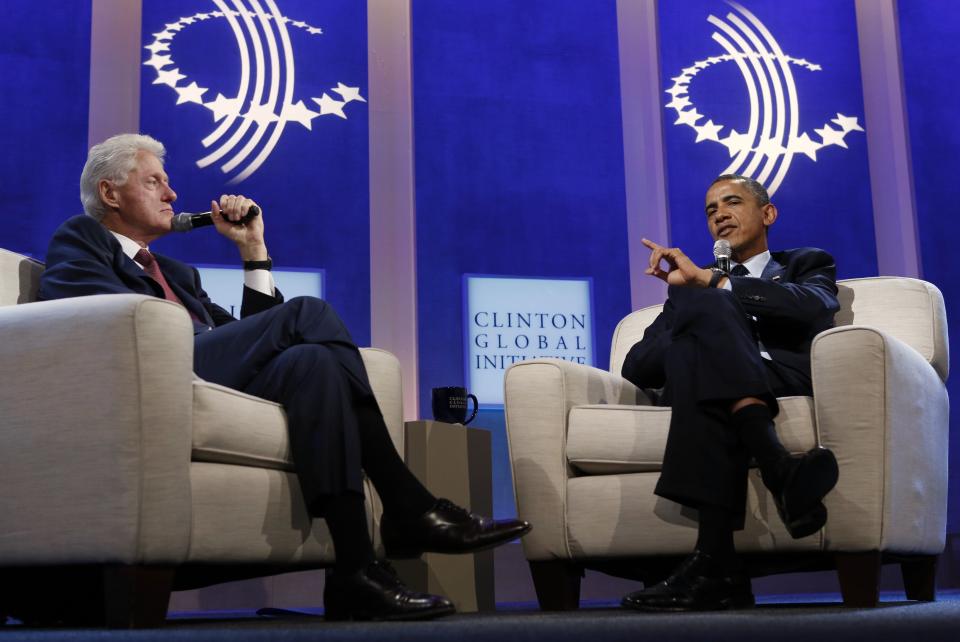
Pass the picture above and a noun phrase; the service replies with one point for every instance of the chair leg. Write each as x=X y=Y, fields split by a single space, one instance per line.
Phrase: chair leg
x=919 y=577
x=859 y=578
x=88 y=596
x=136 y=597
x=557 y=583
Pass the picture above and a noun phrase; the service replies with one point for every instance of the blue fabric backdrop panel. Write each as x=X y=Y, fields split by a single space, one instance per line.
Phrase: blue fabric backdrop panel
x=519 y=160
x=44 y=81
x=928 y=40
x=751 y=93
x=272 y=107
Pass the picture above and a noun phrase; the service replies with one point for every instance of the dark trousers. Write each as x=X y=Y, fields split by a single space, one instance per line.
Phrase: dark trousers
x=711 y=361
x=301 y=355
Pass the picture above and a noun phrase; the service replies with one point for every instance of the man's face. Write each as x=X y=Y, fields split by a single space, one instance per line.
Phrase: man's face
x=141 y=207
x=734 y=214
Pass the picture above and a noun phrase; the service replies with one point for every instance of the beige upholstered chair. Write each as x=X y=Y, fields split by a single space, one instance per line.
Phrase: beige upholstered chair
x=586 y=454
x=123 y=474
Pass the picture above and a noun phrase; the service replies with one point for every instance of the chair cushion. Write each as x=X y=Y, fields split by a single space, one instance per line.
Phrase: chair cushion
x=611 y=439
x=232 y=427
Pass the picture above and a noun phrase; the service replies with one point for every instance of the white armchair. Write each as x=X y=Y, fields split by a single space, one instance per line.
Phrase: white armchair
x=586 y=454
x=124 y=475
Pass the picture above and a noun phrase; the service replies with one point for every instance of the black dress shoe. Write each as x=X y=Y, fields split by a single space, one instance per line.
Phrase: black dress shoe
x=804 y=481
x=376 y=593
x=446 y=528
x=699 y=584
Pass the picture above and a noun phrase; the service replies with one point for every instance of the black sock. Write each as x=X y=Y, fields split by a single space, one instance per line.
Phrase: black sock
x=715 y=536
x=754 y=425
x=347 y=520
x=402 y=493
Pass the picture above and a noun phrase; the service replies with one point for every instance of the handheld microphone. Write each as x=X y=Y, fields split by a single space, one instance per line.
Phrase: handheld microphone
x=186 y=222
x=722 y=252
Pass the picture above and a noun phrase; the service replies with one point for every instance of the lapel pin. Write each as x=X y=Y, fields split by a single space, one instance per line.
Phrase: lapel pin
x=776 y=278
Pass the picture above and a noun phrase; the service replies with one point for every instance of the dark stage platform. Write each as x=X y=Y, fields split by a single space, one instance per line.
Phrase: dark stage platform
x=808 y=618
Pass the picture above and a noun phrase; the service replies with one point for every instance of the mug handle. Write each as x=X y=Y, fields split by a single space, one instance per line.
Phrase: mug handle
x=476 y=406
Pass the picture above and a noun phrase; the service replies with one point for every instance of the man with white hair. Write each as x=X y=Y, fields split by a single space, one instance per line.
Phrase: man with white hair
x=298 y=353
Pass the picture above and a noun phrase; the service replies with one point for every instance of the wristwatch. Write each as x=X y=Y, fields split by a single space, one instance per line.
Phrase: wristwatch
x=717 y=275
x=258 y=265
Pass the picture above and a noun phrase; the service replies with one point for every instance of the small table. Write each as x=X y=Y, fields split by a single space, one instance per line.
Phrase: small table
x=452 y=461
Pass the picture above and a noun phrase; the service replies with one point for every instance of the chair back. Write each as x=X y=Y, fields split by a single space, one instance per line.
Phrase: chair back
x=19 y=278
x=909 y=309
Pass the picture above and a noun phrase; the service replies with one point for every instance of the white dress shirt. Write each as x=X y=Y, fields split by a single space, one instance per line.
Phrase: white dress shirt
x=755 y=265
x=259 y=280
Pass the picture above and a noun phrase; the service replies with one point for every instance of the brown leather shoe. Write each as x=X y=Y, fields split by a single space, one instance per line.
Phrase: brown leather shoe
x=446 y=528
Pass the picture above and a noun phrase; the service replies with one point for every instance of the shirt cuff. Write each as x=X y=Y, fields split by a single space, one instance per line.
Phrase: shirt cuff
x=261 y=281
x=726 y=285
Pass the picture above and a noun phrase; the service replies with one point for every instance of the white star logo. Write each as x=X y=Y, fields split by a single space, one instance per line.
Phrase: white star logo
x=803 y=145
x=261 y=114
x=831 y=136
x=688 y=117
x=190 y=94
x=251 y=107
x=708 y=131
x=330 y=106
x=847 y=123
x=158 y=62
x=170 y=77
x=223 y=106
x=298 y=112
x=737 y=142
x=766 y=150
x=156 y=47
x=679 y=102
x=349 y=93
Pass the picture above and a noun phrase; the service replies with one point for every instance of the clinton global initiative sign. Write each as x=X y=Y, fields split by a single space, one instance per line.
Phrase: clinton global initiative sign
x=512 y=319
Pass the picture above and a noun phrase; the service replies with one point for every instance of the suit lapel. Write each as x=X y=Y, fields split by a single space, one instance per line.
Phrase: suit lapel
x=773 y=270
x=132 y=272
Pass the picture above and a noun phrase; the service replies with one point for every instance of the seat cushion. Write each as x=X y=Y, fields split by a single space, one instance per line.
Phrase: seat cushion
x=232 y=427
x=612 y=439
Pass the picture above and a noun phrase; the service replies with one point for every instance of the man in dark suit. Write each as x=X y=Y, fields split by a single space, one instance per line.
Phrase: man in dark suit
x=297 y=353
x=723 y=349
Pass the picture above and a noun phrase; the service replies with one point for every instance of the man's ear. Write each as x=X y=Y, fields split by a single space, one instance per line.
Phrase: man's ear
x=769 y=214
x=108 y=194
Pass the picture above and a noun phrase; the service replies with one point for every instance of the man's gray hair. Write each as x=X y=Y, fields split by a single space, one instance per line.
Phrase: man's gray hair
x=758 y=190
x=112 y=160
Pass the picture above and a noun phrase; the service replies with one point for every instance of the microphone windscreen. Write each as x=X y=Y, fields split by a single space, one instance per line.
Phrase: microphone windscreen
x=181 y=223
x=721 y=249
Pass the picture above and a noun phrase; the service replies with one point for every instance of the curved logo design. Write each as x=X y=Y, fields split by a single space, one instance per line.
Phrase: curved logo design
x=252 y=121
x=772 y=136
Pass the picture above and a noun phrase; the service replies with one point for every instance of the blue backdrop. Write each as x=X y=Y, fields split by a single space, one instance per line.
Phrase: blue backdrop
x=519 y=166
x=44 y=81
x=928 y=36
x=313 y=185
x=518 y=149
x=823 y=203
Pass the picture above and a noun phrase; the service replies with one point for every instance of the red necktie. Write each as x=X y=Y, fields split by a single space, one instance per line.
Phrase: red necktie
x=144 y=258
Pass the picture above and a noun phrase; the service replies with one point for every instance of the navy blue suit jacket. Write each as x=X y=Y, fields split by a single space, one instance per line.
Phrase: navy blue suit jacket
x=84 y=258
x=793 y=300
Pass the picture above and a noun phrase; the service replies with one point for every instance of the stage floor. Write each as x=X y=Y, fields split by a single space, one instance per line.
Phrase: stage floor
x=803 y=617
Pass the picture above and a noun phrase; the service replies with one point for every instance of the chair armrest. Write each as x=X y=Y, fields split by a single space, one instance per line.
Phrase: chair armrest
x=383 y=370
x=95 y=422
x=538 y=396
x=883 y=410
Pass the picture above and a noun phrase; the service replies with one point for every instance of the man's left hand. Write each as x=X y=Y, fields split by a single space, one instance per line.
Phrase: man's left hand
x=681 y=271
x=249 y=236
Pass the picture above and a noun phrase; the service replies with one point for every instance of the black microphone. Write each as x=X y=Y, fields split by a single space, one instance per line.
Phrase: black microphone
x=186 y=222
x=722 y=252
